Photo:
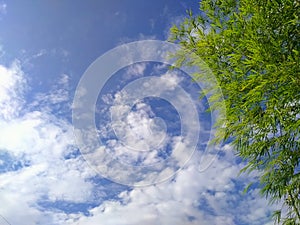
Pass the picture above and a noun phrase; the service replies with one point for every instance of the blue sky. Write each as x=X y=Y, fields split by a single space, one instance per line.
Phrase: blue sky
x=46 y=178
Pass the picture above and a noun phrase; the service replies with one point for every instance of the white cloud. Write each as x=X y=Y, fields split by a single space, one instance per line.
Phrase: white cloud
x=135 y=70
x=10 y=101
x=138 y=131
x=43 y=144
x=43 y=140
x=2 y=52
x=140 y=137
x=186 y=200
x=42 y=52
x=139 y=37
x=57 y=100
x=3 y=8
x=212 y=196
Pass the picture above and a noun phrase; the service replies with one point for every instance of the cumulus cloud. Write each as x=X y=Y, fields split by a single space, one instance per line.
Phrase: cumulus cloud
x=40 y=142
x=211 y=197
x=10 y=100
x=49 y=170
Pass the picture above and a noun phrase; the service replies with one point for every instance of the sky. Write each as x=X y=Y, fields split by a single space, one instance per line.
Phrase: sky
x=95 y=129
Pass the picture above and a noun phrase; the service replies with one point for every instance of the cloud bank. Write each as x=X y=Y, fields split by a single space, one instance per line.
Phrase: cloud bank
x=44 y=179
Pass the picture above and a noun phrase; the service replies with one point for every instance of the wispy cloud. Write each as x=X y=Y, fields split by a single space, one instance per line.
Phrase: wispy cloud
x=56 y=101
x=135 y=70
x=3 y=8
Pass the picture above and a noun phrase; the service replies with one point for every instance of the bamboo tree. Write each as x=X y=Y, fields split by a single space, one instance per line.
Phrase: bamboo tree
x=253 y=49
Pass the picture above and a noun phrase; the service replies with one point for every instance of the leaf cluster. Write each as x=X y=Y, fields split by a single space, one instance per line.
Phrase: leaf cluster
x=252 y=47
